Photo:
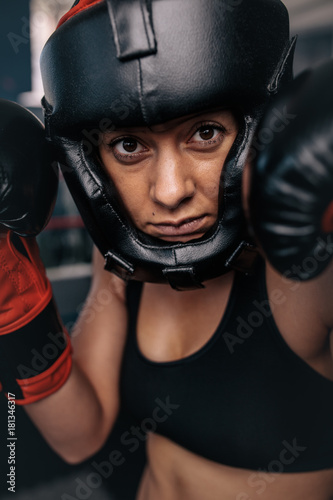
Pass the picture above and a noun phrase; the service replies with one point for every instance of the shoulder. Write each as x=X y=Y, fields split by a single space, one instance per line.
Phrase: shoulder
x=105 y=281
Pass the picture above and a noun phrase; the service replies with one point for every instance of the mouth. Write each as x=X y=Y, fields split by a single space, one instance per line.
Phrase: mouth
x=193 y=227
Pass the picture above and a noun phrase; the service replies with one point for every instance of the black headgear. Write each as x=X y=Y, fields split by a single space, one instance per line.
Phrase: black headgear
x=139 y=63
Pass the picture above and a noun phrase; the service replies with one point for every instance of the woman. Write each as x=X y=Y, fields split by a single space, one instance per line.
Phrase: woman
x=152 y=108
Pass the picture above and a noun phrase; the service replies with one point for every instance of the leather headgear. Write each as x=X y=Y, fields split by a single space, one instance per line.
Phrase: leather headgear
x=137 y=63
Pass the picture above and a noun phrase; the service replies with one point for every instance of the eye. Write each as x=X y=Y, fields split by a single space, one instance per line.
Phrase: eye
x=126 y=146
x=208 y=133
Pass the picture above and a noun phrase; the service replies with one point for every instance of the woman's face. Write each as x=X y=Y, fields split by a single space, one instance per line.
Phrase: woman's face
x=168 y=176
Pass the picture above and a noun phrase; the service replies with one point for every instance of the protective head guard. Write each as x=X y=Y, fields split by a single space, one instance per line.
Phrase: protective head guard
x=138 y=63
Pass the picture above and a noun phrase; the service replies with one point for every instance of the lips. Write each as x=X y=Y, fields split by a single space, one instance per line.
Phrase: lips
x=186 y=227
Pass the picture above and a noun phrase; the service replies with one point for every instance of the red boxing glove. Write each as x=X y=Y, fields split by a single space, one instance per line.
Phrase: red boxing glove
x=35 y=350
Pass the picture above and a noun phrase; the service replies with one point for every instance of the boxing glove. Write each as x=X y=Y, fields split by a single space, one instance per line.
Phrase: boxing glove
x=35 y=351
x=291 y=177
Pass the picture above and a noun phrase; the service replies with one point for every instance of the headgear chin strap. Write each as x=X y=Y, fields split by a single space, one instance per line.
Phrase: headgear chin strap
x=123 y=63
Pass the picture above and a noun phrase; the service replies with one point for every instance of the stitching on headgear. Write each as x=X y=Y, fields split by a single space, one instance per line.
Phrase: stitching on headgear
x=140 y=82
x=273 y=85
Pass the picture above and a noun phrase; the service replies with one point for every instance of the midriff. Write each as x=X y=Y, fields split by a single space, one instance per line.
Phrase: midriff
x=174 y=473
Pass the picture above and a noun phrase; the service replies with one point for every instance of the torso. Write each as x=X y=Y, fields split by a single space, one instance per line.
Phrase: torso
x=172 y=470
x=174 y=473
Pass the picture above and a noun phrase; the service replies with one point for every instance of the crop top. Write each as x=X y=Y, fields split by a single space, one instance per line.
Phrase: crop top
x=244 y=399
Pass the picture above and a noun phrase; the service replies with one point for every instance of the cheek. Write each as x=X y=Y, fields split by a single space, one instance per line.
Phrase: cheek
x=131 y=187
x=133 y=195
x=211 y=190
x=211 y=181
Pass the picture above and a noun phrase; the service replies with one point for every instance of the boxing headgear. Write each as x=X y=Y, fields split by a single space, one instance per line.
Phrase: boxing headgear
x=138 y=63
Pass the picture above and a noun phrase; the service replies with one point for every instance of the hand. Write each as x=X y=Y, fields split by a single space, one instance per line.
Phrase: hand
x=291 y=177
x=28 y=182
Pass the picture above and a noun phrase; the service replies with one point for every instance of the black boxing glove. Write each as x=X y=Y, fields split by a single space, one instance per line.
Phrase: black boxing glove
x=291 y=177
x=28 y=183
x=35 y=351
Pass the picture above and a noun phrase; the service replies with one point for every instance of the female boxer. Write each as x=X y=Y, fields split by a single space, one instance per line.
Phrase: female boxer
x=223 y=361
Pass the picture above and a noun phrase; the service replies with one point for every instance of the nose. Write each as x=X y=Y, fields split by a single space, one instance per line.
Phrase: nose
x=172 y=182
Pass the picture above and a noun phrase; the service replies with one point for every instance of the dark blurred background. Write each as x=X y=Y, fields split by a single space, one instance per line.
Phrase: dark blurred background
x=66 y=249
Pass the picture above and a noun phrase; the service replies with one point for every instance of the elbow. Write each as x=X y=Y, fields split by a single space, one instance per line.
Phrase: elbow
x=75 y=458
x=74 y=452
x=75 y=455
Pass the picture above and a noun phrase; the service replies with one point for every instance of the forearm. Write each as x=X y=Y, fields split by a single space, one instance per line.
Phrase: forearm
x=77 y=419
x=72 y=397
x=72 y=420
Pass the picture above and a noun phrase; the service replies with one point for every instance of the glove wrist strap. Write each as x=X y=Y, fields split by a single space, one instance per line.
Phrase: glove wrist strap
x=35 y=360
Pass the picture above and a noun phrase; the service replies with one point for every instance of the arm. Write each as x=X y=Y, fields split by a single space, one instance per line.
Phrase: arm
x=303 y=313
x=73 y=402
x=288 y=193
x=77 y=419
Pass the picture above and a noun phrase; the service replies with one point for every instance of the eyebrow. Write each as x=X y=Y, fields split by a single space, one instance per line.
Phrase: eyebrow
x=165 y=127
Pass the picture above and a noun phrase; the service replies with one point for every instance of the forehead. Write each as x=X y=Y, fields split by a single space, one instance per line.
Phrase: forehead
x=226 y=116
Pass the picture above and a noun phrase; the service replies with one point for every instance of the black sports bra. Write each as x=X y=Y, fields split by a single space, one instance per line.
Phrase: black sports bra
x=245 y=399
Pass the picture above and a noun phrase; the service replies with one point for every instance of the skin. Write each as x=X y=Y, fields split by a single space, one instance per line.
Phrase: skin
x=173 y=174
x=168 y=177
